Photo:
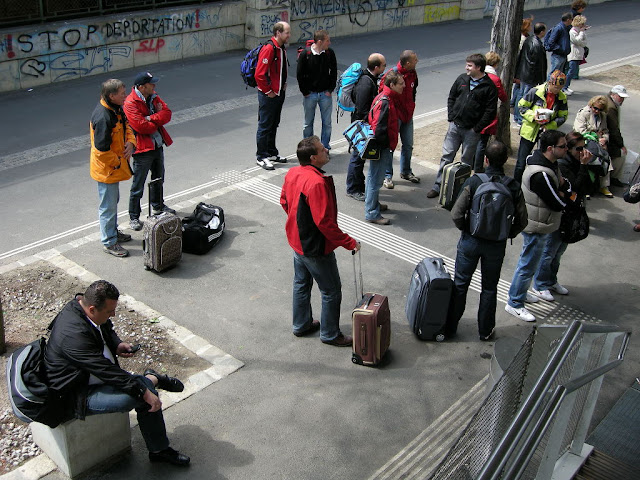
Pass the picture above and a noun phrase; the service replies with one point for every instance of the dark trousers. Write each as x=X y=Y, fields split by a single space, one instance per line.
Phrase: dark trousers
x=355 y=173
x=478 y=164
x=491 y=255
x=524 y=150
x=269 y=110
x=144 y=162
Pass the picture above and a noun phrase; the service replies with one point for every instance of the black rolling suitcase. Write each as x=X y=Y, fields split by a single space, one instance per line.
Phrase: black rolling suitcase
x=161 y=240
x=453 y=177
x=428 y=299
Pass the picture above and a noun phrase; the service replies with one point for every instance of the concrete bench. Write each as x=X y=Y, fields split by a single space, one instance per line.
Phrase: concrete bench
x=79 y=445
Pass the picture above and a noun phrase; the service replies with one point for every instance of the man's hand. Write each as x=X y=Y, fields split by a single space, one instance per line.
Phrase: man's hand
x=602 y=141
x=153 y=400
x=128 y=150
x=624 y=150
x=585 y=156
x=271 y=94
x=124 y=350
x=328 y=94
x=357 y=249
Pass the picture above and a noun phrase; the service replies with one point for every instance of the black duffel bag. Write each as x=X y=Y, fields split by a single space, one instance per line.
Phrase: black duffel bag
x=202 y=229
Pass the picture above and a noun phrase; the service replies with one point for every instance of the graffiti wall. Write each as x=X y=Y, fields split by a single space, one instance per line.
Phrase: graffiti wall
x=61 y=51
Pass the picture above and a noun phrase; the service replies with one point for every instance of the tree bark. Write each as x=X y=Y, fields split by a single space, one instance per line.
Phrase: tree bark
x=505 y=41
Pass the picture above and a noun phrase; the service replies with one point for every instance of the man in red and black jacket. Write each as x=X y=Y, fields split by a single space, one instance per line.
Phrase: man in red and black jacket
x=147 y=115
x=385 y=123
x=406 y=106
x=309 y=199
x=271 y=80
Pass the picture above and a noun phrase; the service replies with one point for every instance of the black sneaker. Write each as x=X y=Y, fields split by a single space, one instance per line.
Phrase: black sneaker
x=356 y=196
x=135 y=224
x=169 y=455
x=265 y=163
x=164 y=209
x=165 y=382
x=123 y=237
x=116 y=250
x=487 y=338
x=411 y=177
x=277 y=159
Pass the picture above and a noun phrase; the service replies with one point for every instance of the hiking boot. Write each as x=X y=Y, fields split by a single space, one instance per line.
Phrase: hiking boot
x=411 y=177
x=388 y=183
x=116 y=250
x=123 y=237
x=265 y=163
x=356 y=196
x=560 y=289
x=277 y=159
x=543 y=294
x=135 y=224
x=164 y=209
x=432 y=193
x=521 y=313
x=340 y=341
x=380 y=221
x=314 y=327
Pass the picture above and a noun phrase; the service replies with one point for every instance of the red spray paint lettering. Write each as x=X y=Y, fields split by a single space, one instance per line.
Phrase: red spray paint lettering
x=197 y=18
x=10 y=52
x=150 y=46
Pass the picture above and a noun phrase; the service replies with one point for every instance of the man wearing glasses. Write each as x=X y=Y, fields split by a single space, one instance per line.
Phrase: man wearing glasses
x=542 y=108
x=544 y=191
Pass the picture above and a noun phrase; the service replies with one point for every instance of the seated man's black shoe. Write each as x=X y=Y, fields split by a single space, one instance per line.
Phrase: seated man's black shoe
x=165 y=382
x=314 y=327
x=169 y=455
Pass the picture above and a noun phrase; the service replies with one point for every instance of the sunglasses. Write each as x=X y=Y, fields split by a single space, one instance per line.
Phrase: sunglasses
x=596 y=109
x=579 y=149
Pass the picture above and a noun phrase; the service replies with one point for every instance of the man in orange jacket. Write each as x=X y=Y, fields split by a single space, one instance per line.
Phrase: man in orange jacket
x=112 y=143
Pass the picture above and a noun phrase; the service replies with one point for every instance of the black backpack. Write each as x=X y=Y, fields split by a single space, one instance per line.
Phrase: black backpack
x=492 y=209
x=30 y=397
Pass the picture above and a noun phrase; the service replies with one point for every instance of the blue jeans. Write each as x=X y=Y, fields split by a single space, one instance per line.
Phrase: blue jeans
x=309 y=103
x=557 y=63
x=491 y=255
x=574 y=65
x=324 y=270
x=108 y=399
x=406 y=137
x=108 y=195
x=455 y=137
x=547 y=274
x=269 y=111
x=521 y=92
x=144 y=162
x=375 y=177
x=355 y=173
x=527 y=266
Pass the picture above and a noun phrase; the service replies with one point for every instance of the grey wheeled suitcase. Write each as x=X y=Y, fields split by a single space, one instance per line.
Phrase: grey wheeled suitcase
x=453 y=177
x=162 y=241
x=428 y=299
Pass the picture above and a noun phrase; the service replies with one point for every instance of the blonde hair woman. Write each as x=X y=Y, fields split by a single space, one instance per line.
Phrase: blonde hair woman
x=578 y=39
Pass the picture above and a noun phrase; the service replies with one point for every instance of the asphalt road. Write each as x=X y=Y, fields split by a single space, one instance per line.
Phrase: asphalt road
x=300 y=409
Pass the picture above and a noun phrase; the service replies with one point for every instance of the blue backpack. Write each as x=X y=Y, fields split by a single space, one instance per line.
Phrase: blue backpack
x=346 y=82
x=248 y=65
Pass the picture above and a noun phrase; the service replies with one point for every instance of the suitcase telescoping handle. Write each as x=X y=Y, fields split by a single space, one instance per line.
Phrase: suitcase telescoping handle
x=357 y=275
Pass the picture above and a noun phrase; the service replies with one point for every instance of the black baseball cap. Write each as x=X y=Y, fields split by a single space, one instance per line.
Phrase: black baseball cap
x=144 y=78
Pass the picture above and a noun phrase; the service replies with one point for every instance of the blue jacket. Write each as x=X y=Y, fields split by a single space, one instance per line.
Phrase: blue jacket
x=559 y=41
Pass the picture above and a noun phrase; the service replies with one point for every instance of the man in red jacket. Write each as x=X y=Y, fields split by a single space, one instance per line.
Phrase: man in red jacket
x=147 y=115
x=271 y=80
x=309 y=199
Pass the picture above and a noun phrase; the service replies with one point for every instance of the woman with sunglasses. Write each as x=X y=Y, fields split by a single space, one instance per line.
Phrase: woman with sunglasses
x=593 y=118
x=573 y=168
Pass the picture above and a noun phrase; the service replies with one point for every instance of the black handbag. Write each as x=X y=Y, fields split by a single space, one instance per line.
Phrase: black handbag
x=574 y=224
x=202 y=229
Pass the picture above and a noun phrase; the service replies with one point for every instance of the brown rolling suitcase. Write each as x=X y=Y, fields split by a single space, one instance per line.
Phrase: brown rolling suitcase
x=162 y=240
x=371 y=324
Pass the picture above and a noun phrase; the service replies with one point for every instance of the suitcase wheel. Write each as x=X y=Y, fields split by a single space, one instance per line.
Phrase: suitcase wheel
x=147 y=267
x=355 y=358
x=440 y=337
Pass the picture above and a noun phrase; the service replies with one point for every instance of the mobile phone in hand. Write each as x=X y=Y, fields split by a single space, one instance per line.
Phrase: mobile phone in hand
x=135 y=348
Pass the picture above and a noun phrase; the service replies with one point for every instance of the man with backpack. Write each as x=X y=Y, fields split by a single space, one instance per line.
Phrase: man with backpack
x=407 y=68
x=363 y=92
x=558 y=42
x=489 y=210
x=317 y=73
x=271 y=82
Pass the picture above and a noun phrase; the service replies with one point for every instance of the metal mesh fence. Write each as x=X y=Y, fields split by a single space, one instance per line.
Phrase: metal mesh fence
x=22 y=12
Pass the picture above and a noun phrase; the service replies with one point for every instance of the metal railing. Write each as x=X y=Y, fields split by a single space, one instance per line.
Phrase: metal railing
x=537 y=415
x=23 y=12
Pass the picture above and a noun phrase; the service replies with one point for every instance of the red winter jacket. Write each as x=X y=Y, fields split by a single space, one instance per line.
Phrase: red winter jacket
x=407 y=103
x=492 y=128
x=271 y=70
x=309 y=199
x=384 y=118
x=136 y=110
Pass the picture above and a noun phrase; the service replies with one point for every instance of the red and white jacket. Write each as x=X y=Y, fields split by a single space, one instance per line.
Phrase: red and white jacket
x=137 y=110
x=384 y=119
x=271 y=70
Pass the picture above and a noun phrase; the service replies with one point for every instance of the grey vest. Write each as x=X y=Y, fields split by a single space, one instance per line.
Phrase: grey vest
x=541 y=218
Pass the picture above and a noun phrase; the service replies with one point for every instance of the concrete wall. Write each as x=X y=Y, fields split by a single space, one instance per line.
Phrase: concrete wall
x=42 y=54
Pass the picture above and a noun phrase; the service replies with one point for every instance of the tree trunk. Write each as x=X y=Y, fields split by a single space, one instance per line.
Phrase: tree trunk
x=3 y=346
x=505 y=41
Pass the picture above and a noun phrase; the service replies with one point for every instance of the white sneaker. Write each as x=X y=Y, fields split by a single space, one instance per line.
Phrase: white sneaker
x=521 y=313
x=543 y=294
x=531 y=298
x=388 y=183
x=560 y=289
x=265 y=163
x=568 y=91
